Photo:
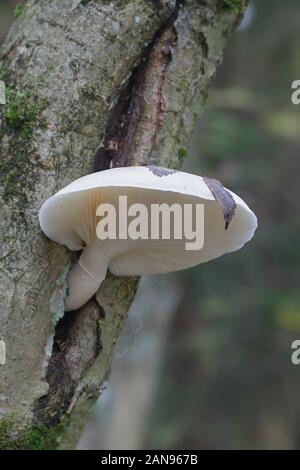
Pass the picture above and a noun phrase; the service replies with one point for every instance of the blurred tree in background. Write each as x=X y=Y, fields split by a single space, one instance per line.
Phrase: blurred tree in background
x=227 y=379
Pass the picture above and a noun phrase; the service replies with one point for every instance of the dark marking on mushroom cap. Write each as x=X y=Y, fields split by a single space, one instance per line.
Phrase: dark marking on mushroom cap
x=160 y=171
x=223 y=197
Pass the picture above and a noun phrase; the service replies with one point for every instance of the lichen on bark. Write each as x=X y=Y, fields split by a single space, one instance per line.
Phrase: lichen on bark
x=69 y=67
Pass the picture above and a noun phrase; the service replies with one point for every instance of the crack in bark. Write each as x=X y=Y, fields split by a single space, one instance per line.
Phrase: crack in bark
x=203 y=43
x=134 y=121
x=77 y=344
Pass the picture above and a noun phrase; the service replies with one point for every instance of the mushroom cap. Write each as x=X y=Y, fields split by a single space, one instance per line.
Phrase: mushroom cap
x=69 y=218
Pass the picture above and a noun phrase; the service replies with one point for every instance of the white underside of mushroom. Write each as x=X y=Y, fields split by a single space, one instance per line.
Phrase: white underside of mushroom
x=69 y=218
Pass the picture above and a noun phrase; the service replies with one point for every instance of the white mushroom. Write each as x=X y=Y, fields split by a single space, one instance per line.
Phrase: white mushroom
x=69 y=217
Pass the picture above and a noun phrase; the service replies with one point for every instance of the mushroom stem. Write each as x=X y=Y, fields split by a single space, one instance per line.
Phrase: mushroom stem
x=83 y=282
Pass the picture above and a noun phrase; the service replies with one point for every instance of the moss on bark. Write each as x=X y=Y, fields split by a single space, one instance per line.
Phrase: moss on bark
x=35 y=437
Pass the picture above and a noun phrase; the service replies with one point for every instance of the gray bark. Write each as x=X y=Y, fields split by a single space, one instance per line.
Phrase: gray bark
x=90 y=84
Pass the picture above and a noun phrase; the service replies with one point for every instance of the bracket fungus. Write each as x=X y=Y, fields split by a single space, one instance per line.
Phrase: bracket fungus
x=71 y=217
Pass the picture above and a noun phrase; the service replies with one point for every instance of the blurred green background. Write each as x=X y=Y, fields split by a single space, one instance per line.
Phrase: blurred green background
x=205 y=358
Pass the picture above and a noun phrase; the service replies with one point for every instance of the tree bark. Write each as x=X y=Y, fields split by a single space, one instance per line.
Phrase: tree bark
x=89 y=85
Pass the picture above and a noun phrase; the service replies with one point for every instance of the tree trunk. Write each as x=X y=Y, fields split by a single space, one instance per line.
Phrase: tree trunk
x=89 y=85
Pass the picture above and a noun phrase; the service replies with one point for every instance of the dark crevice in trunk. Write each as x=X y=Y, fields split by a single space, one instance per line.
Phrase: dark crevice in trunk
x=130 y=117
x=76 y=345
